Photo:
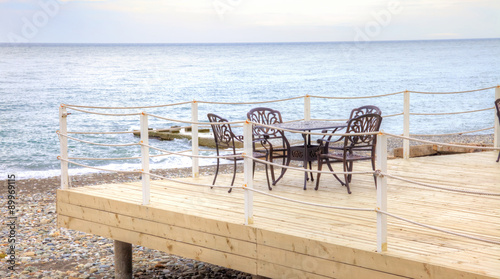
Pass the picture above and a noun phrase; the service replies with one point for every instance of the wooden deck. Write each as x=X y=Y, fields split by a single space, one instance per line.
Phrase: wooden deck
x=290 y=240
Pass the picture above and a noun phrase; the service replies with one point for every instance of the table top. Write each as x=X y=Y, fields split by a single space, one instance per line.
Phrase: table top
x=310 y=125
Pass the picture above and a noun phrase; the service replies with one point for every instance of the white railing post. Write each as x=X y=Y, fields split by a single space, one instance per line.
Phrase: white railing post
x=194 y=139
x=381 y=153
x=307 y=108
x=248 y=172
x=406 y=125
x=497 y=126
x=63 y=142
x=145 y=159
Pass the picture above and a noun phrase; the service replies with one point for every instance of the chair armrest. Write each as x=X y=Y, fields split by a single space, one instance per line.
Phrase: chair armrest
x=238 y=138
x=325 y=141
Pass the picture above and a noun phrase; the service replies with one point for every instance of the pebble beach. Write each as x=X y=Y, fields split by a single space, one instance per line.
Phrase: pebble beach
x=45 y=251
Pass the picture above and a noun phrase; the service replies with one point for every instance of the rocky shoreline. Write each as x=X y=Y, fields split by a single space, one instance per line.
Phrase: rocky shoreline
x=45 y=251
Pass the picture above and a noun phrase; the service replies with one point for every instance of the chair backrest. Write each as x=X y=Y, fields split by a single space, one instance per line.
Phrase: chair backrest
x=223 y=135
x=497 y=105
x=265 y=116
x=363 y=124
x=365 y=110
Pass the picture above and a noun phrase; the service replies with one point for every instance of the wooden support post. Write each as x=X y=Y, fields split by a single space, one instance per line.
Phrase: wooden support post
x=145 y=159
x=194 y=137
x=63 y=143
x=406 y=125
x=248 y=172
x=307 y=108
x=381 y=153
x=497 y=126
x=123 y=260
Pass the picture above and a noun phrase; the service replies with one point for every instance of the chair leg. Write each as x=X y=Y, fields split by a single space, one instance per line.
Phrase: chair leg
x=349 y=167
x=286 y=162
x=271 y=167
x=310 y=167
x=346 y=177
x=498 y=159
x=331 y=169
x=234 y=176
x=267 y=176
x=216 y=172
x=320 y=166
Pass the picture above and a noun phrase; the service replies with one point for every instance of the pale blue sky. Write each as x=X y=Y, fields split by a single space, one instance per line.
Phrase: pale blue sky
x=214 y=21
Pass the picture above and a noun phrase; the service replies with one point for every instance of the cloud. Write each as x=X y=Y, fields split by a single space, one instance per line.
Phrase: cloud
x=251 y=20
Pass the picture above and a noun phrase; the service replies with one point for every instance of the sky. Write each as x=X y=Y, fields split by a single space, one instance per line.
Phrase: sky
x=235 y=21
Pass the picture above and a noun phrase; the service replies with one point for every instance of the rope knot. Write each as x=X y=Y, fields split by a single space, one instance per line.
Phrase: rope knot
x=378 y=173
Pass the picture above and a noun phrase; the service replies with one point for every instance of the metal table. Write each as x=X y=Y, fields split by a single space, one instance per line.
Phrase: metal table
x=308 y=152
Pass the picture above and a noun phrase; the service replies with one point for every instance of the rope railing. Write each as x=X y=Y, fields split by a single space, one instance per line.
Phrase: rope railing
x=137 y=107
x=278 y=100
x=381 y=174
x=100 y=133
x=105 y=114
x=250 y=103
x=104 y=159
x=450 y=113
x=436 y=228
x=440 y=187
x=304 y=169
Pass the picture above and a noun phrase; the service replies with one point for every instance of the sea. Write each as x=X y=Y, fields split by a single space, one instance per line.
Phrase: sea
x=36 y=78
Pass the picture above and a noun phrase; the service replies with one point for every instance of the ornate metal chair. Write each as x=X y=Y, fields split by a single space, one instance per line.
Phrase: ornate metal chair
x=354 y=149
x=356 y=112
x=365 y=110
x=497 y=105
x=226 y=139
x=273 y=140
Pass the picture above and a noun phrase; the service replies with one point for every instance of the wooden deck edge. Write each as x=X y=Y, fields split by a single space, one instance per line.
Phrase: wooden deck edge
x=195 y=252
x=163 y=230
x=207 y=225
x=245 y=248
x=312 y=254
x=329 y=268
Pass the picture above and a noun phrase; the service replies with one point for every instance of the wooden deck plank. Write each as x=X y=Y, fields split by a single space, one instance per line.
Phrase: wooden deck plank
x=307 y=241
x=224 y=244
x=174 y=247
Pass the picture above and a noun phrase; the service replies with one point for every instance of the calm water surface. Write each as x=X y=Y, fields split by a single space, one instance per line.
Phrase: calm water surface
x=35 y=79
